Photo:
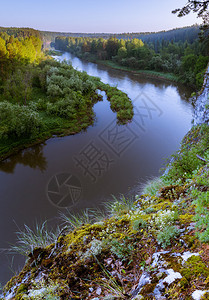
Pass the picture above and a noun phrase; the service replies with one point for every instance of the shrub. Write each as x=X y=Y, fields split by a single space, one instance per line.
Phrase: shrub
x=61 y=108
x=185 y=161
x=18 y=121
x=164 y=237
x=123 y=249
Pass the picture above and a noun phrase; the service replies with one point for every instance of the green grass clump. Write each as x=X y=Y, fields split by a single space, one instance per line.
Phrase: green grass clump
x=29 y=239
x=152 y=186
x=120 y=206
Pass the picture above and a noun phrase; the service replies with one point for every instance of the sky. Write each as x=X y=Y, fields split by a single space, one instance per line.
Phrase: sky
x=112 y=16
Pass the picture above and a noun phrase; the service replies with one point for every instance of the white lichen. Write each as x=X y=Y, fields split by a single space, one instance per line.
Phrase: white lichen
x=197 y=295
x=172 y=276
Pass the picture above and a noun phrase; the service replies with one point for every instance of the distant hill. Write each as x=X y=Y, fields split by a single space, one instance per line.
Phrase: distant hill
x=179 y=34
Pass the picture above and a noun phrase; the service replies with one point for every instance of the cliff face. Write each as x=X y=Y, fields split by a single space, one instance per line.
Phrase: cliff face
x=201 y=114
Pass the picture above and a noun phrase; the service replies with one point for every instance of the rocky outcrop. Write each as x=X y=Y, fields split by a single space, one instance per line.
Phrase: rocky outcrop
x=201 y=113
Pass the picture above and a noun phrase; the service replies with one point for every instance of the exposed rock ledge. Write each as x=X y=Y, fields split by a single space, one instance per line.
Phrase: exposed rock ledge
x=201 y=114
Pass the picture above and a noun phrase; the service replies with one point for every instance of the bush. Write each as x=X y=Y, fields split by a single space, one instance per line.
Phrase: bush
x=185 y=161
x=18 y=121
x=62 y=108
x=123 y=248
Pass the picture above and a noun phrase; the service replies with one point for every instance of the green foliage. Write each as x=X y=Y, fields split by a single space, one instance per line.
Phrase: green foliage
x=184 y=56
x=188 y=167
x=200 y=196
x=119 y=102
x=17 y=121
x=122 y=248
x=165 y=236
x=185 y=161
x=53 y=52
x=62 y=108
x=202 y=214
x=18 y=87
x=194 y=266
x=45 y=96
x=138 y=223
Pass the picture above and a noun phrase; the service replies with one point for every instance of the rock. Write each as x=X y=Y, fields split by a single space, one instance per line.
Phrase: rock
x=144 y=279
x=138 y=297
x=201 y=112
x=196 y=295
x=99 y=291
x=172 y=276
x=186 y=255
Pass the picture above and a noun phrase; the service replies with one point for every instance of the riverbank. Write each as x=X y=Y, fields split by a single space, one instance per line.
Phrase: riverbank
x=11 y=147
x=145 y=73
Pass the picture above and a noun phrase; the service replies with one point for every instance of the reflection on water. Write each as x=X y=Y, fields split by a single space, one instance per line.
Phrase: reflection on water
x=105 y=160
x=32 y=157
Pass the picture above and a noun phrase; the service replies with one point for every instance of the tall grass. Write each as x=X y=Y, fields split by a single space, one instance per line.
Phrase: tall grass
x=29 y=239
x=88 y=216
x=119 y=206
x=152 y=186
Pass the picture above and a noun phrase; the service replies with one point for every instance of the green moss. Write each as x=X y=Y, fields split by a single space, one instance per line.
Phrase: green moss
x=194 y=267
x=162 y=205
x=22 y=289
x=205 y=296
x=183 y=283
x=186 y=218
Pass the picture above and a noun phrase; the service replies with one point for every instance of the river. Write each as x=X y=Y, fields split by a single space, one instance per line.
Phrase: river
x=85 y=170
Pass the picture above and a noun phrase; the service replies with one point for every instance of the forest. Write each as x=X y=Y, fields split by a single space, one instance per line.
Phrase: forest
x=40 y=96
x=186 y=57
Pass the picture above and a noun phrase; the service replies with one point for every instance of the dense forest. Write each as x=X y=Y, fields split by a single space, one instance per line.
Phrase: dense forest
x=189 y=33
x=40 y=96
x=187 y=60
